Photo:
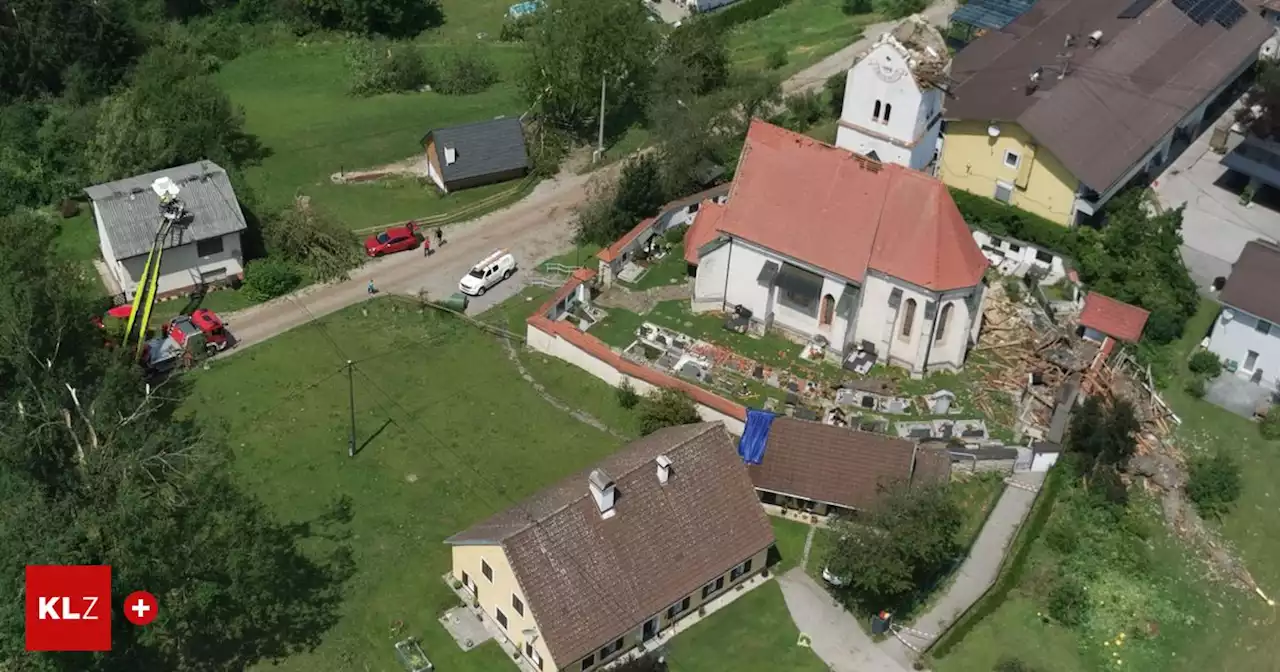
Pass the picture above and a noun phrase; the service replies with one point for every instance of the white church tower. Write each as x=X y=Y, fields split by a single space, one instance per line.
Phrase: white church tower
x=892 y=100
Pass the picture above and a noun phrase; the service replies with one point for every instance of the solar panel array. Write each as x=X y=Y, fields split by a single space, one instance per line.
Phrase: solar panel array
x=1225 y=12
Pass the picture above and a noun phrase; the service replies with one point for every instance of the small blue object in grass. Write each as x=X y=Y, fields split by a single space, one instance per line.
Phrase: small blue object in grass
x=523 y=8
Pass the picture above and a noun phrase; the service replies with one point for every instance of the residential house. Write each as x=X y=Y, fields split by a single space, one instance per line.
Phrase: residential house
x=1061 y=109
x=823 y=469
x=1105 y=320
x=645 y=237
x=705 y=5
x=200 y=248
x=976 y=18
x=476 y=154
x=1245 y=334
x=830 y=247
x=892 y=108
x=607 y=559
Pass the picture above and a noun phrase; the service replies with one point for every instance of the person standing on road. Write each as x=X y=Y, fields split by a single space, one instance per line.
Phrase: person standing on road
x=439 y=236
x=371 y=289
x=426 y=247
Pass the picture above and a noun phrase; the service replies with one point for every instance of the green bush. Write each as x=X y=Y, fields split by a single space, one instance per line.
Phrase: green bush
x=675 y=236
x=1205 y=363
x=1013 y=288
x=896 y=9
x=852 y=7
x=466 y=73
x=1009 y=664
x=1062 y=539
x=268 y=278
x=745 y=10
x=777 y=57
x=1000 y=219
x=666 y=408
x=835 y=93
x=1270 y=425
x=804 y=109
x=1195 y=387
x=627 y=395
x=379 y=66
x=1068 y=601
x=1214 y=484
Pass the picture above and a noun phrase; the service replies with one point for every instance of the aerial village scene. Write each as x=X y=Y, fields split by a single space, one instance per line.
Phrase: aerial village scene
x=642 y=335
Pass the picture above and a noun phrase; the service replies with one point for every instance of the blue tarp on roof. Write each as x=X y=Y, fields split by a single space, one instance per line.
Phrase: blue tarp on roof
x=992 y=14
x=755 y=435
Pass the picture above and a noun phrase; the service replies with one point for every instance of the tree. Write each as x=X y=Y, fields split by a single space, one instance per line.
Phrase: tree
x=1103 y=435
x=392 y=18
x=466 y=72
x=381 y=66
x=691 y=135
x=852 y=7
x=1265 y=95
x=172 y=113
x=97 y=468
x=902 y=547
x=574 y=46
x=693 y=61
x=41 y=39
x=1136 y=259
x=666 y=408
x=1214 y=483
x=613 y=210
x=834 y=87
x=312 y=241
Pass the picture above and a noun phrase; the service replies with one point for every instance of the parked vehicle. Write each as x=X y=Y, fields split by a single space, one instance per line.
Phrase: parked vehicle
x=394 y=239
x=490 y=271
x=186 y=339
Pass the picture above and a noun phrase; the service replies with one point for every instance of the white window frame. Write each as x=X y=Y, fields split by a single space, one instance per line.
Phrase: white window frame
x=1263 y=327
x=1017 y=159
x=1005 y=185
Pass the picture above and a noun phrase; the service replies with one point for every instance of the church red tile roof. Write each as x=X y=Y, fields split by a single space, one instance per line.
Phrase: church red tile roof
x=1113 y=318
x=703 y=229
x=845 y=213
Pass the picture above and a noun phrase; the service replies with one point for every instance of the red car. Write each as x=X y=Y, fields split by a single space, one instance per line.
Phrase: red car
x=394 y=239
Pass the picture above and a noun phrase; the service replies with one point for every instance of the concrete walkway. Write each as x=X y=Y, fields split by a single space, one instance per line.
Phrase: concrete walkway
x=814 y=76
x=833 y=633
x=978 y=571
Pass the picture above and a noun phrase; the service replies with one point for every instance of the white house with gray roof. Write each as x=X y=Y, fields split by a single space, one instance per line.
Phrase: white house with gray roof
x=202 y=248
x=471 y=155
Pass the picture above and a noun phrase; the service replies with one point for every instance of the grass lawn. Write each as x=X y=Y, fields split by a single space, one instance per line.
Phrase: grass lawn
x=456 y=403
x=976 y=496
x=754 y=634
x=295 y=100
x=77 y=238
x=582 y=255
x=790 y=536
x=810 y=30
x=668 y=270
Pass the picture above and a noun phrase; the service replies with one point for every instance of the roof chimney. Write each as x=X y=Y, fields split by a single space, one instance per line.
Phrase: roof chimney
x=1095 y=39
x=664 y=469
x=450 y=155
x=603 y=490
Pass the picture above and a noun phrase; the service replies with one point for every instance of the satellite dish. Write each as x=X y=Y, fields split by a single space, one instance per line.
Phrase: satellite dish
x=993 y=131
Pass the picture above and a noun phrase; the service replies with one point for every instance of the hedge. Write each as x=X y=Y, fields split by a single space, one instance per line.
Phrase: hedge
x=1000 y=219
x=1010 y=570
x=744 y=11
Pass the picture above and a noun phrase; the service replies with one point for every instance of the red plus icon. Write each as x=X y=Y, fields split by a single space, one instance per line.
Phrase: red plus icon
x=140 y=607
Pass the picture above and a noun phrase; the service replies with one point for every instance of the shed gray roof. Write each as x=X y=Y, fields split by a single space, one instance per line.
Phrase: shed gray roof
x=483 y=148
x=130 y=210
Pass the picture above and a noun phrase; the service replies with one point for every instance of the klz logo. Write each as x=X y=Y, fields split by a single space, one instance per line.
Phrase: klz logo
x=68 y=608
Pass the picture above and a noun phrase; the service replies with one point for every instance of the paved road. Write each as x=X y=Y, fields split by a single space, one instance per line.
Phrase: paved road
x=833 y=633
x=533 y=229
x=978 y=571
x=814 y=76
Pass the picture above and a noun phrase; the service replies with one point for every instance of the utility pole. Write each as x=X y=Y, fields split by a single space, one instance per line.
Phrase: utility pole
x=351 y=389
x=600 y=142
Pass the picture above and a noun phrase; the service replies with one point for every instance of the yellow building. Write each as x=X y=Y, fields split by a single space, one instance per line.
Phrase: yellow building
x=1064 y=107
x=606 y=560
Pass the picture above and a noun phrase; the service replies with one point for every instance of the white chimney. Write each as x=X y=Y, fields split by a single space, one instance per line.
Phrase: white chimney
x=450 y=155
x=603 y=490
x=664 y=469
x=1095 y=39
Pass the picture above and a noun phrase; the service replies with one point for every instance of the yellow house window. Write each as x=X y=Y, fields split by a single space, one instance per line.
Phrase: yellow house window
x=486 y=570
x=1012 y=159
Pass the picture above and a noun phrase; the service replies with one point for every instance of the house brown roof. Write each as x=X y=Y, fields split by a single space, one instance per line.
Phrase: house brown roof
x=587 y=579
x=1253 y=282
x=1117 y=100
x=832 y=464
x=844 y=213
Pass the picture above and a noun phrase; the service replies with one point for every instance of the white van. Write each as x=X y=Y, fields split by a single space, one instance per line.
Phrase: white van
x=490 y=271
